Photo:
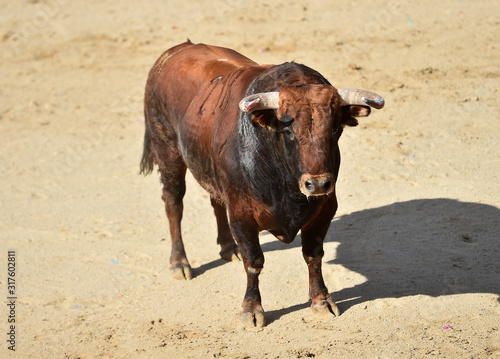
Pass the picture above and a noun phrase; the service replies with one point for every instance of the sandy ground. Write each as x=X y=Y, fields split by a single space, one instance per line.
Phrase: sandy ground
x=412 y=258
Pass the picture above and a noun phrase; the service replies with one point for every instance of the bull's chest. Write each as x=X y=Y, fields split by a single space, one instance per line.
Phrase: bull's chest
x=286 y=218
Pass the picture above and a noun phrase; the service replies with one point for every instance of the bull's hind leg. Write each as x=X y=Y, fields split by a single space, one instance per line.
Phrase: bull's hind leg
x=174 y=188
x=173 y=172
x=160 y=142
x=228 y=248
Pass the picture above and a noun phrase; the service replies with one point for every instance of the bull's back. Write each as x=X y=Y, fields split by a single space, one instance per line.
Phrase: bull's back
x=186 y=70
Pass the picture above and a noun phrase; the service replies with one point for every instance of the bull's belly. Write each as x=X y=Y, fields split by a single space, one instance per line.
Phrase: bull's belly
x=206 y=178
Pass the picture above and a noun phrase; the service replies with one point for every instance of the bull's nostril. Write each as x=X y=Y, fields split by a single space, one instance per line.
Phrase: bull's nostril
x=309 y=186
x=316 y=185
x=327 y=185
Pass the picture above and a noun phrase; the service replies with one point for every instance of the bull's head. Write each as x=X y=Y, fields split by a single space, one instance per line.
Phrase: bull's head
x=311 y=119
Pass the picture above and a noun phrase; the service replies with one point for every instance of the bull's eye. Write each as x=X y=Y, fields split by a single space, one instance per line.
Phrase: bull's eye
x=288 y=132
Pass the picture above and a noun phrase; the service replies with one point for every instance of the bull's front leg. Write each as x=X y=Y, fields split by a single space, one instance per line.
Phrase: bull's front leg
x=312 y=250
x=247 y=236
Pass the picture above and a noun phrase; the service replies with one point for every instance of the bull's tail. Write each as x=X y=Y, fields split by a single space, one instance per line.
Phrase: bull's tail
x=147 y=161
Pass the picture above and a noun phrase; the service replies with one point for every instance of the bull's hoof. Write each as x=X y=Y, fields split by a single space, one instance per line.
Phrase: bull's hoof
x=231 y=253
x=325 y=307
x=181 y=271
x=253 y=318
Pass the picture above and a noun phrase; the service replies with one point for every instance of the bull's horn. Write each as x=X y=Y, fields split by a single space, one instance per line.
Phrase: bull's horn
x=360 y=97
x=260 y=101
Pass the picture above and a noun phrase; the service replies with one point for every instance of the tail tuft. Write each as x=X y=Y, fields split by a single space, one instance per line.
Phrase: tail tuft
x=147 y=161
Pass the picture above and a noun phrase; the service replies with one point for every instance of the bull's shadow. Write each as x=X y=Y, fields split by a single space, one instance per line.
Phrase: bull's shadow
x=431 y=247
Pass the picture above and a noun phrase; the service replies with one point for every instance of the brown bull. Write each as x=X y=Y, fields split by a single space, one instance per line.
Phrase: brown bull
x=263 y=141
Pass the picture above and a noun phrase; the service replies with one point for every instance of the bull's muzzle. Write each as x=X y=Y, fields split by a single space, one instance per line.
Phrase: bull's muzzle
x=316 y=185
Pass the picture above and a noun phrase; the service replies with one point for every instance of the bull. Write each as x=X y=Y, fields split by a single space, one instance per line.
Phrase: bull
x=263 y=141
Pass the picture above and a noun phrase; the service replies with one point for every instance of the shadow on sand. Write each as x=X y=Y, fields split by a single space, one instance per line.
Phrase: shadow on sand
x=430 y=247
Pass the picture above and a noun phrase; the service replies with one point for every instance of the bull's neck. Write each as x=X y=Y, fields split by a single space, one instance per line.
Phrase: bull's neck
x=263 y=167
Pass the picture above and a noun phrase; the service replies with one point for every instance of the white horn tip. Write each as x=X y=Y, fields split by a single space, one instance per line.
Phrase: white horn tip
x=375 y=103
x=247 y=106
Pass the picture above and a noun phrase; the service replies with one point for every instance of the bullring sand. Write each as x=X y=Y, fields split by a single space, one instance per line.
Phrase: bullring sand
x=412 y=258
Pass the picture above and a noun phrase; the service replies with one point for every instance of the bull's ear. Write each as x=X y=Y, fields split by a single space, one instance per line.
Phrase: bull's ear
x=350 y=112
x=259 y=118
x=263 y=119
x=359 y=111
x=267 y=119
